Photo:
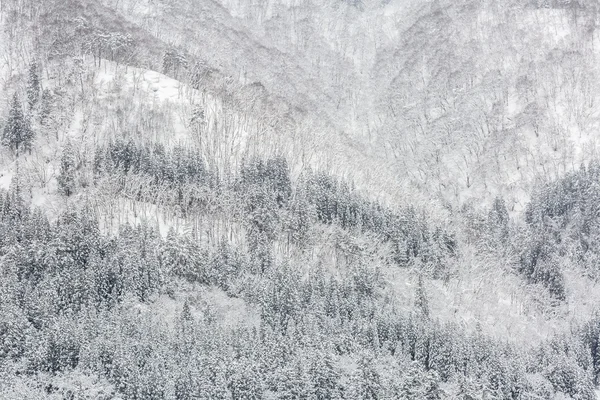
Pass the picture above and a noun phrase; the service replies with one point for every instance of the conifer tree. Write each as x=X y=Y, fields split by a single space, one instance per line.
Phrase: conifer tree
x=185 y=329
x=421 y=302
x=33 y=85
x=46 y=103
x=325 y=377
x=366 y=380
x=17 y=133
x=420 y=384
x=498 y=220
x=66 y=177
x=245 y=382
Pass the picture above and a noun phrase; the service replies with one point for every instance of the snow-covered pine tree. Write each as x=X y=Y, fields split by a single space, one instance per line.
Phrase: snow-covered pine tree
x=245 y=382
x=293 y=381
x=420 y=384
x=17 y=133
x=66 y=177
x=365 y=382
x=325 y=377
x=498 y=220
x=46 y=104
x=33 y=85
x=421 y=301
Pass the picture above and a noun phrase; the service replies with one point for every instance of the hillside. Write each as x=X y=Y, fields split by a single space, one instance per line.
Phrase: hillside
x=286 y=200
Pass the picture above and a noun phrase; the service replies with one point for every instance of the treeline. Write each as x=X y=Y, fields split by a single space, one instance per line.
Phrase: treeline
x=533 y=256
x=66 y=306
x=562 y=219
x=269 y=203
x=561 y=224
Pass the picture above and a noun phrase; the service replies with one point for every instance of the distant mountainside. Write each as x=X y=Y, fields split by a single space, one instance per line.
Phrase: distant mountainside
x=453 y=99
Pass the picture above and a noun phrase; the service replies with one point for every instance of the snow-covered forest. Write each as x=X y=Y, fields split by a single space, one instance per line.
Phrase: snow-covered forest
x=292 y=199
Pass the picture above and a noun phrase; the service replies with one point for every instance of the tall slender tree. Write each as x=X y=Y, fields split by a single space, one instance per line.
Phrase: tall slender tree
x=66 y=177
x=33 y=85
x=421 y=301
x=17 y=133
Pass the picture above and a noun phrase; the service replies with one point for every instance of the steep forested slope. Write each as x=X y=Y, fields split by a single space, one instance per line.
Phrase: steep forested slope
x=241 y=200
x=500 y=95
x=453 y=100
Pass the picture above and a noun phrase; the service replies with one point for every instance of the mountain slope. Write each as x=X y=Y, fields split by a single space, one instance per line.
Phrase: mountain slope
x=284 y=200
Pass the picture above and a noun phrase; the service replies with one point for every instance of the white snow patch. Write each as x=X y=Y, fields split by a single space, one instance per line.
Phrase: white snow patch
x=5 y=179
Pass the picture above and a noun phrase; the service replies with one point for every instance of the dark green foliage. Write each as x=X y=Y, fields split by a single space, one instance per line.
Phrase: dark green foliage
x=569 y=204
x=68 y=277
x=13 y=330
x=183 y=257
x=181 y=174
x=281 y=298
x=174 y=62
x=245 y=382
x=60 y=351
x=565 y=375
x=265 y=189
x=590 y=338
x=273 y=175
x=366 y=380
x=324 y=377
x=46 y=107
x=173 y=168
x=72 y=259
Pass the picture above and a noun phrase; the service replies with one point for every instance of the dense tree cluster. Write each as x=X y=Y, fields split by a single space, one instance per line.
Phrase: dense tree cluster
x=269 y=203
x=166 y=167
x=408 y=230
x=590 y=336
x=562 y=218
x=179 y=174
x=67 y=293
x=174 y=63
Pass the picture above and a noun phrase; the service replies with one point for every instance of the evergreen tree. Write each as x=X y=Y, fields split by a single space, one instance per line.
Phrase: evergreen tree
x=245 y=383
x=366 y=382
x=419 y=384
x=498 y=221
x=569 y=378
x=441 y=352
x=66 y=177
x=213 y=385
x=421 y=301
x=13 y=329
x=185 y=330
x=186 y=384
x=47 y=101
x=33 y=85
x=469 y=389
x=294 y=382
x=17 y=133
x=324 y=377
